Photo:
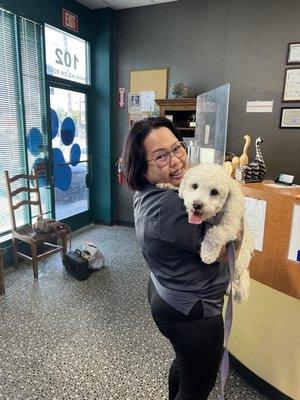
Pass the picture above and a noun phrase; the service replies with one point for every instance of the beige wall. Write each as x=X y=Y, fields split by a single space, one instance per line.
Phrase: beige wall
x=265 y=337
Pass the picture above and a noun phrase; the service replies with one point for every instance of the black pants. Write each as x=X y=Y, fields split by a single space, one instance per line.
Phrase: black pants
x=198 y=346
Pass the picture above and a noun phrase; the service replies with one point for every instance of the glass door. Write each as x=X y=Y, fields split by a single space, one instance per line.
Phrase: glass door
x=69 y=152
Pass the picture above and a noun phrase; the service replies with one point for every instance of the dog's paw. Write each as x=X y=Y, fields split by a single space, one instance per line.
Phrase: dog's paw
x=208 y=254
x=239 y=295
x=240 y=291
x=165 y=186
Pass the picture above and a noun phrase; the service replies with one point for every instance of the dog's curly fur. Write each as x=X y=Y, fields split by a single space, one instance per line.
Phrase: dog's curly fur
x=221 y=202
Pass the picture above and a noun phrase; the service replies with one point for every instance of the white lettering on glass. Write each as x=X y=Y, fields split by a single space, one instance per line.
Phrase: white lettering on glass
x=67 y=56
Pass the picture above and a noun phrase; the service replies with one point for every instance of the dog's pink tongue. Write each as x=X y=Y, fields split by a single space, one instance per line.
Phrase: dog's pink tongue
x=195 y=219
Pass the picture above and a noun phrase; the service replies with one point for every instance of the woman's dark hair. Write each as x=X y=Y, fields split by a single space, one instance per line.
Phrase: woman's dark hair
x=133 y=159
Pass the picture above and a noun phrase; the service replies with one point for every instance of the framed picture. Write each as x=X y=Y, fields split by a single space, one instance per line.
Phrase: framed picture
x=291 y=87
x=293 y=54
x=290 y=118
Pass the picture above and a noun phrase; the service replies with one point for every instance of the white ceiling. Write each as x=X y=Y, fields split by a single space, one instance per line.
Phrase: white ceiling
x=119 y=4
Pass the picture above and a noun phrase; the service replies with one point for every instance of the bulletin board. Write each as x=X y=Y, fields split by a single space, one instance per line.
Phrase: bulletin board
x=149 y=79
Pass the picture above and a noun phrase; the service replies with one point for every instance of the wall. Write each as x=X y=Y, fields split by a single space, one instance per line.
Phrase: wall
x=51 y=13
x=207 y=43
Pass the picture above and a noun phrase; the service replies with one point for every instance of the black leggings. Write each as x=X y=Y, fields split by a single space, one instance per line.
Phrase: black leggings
x=198 y=346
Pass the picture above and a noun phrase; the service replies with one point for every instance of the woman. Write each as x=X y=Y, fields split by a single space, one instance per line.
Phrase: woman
x=185 y=295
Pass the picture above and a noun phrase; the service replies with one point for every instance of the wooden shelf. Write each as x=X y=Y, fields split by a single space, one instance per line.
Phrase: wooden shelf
x=182 y=111
x=185 y=104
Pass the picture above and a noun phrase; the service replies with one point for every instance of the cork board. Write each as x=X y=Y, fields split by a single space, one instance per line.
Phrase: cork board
x=149 y=79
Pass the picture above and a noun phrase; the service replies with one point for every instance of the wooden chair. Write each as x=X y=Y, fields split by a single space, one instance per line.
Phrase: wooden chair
x=2 y=286
x=53 y=241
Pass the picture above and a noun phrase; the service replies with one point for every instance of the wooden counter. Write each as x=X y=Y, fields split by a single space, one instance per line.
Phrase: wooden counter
x=266 y=328
x=272 y=266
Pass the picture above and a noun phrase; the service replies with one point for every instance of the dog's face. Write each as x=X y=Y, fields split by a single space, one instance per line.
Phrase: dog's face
x=205 y=189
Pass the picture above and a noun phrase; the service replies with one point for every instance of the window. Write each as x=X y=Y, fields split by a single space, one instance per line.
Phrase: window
x=23 y=136
x=70 y=157
x=67 y=56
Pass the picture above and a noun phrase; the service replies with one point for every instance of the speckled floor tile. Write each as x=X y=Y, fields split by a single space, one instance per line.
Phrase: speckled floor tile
x=64 y=339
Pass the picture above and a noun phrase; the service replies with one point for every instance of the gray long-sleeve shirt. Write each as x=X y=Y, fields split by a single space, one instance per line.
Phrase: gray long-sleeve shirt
x=170 y=246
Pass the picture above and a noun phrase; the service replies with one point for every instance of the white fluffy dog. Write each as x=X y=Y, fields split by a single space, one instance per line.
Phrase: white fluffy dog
x=210 y=194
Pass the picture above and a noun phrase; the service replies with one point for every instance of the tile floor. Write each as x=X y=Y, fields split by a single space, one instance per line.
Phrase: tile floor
x=64 y=339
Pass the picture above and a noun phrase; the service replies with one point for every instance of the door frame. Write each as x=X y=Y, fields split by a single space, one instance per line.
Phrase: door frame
x=80 y=220
x=85 y=218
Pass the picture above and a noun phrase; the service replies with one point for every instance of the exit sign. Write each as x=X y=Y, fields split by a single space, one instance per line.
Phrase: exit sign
x=70 y=20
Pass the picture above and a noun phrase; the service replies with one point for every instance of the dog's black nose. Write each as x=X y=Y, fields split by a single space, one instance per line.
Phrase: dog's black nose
x=197 y=206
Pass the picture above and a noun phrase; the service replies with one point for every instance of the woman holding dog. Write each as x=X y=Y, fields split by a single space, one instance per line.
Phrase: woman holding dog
x=186 y=296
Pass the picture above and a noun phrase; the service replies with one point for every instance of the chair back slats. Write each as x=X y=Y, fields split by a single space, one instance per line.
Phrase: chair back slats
x=38 y=194
x=11 y=210
x=23 y=189
x=12 y=193
x=22 y=176
x=25 y=203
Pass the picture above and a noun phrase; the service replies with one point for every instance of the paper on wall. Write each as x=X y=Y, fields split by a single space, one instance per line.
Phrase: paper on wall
x=134 y=102
x=255 y=216
x=141 y=102
x=147 y=101
x=294 y=250
x=259 y=106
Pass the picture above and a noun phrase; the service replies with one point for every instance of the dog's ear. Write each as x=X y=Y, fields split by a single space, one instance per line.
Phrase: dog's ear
x=235 y=202
x=182 y=188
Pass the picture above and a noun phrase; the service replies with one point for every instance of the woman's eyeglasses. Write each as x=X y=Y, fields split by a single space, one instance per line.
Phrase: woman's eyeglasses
x=163 y=157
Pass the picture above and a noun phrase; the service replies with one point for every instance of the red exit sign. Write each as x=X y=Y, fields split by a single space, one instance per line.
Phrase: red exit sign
x=70 y=20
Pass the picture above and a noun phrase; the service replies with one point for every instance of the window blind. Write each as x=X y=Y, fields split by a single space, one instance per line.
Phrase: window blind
x=12 y=156
x=33 y=78
x=23 y=133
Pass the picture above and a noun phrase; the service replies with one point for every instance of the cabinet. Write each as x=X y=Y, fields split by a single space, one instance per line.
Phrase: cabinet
x=272 y=266
x=181 y=111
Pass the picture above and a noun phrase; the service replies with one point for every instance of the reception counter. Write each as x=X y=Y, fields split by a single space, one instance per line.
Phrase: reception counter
x=266 y=329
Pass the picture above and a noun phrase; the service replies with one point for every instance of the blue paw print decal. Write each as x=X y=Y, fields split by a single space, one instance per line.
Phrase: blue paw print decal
x=63 y=172
x=35 y=146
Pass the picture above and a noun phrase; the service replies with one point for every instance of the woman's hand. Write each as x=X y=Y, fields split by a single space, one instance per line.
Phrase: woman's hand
x=237 y=247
